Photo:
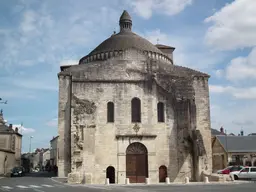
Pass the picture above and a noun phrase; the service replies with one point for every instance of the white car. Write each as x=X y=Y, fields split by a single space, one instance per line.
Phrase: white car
x=245 y=173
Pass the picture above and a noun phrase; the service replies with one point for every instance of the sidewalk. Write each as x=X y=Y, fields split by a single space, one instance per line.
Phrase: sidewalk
x=64 y=180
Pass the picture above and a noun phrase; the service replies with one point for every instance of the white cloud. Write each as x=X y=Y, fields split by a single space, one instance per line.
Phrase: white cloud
x=185 y=53
x=46 y=36
x=145 y=8
x=22 y=129
x=53 y=123
x=219 y=73
x=233 y=26
x=239 y=93
x=69 y=62
x=233 y=117
x=242 y=68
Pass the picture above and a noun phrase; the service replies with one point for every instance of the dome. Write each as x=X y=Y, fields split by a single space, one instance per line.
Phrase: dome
x=123 y=40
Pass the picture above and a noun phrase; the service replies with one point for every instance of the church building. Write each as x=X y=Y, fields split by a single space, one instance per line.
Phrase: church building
x=127 y=111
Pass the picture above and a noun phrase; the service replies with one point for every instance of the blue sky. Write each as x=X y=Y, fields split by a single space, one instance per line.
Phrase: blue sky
x=217 y=37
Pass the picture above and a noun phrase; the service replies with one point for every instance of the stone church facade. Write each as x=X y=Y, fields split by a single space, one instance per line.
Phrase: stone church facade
x=126 y=111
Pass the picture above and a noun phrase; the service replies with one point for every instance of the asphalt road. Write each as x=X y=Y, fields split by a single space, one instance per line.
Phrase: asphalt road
x=42 y=182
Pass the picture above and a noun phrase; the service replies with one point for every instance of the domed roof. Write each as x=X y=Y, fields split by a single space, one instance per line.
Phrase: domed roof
x=125 y=39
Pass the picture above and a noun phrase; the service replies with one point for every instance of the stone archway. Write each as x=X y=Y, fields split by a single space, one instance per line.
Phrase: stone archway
x=136 y=163
x=110 y=174
x=162 y=173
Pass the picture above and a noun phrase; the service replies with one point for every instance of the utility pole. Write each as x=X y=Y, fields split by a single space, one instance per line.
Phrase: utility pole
x=226 y=139
x=30 y=143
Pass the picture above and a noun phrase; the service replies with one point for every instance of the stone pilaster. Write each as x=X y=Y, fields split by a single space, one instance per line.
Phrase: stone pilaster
x=203 y=123
x=64 y=131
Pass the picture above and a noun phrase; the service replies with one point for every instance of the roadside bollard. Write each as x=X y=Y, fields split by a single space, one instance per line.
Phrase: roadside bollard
x=107 y=181
x=206 y=180
x=127 y=181
x=167 y=180
x=186 y=180
x=147 y=181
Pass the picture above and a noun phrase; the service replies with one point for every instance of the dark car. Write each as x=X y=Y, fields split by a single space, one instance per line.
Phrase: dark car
x=18 y=171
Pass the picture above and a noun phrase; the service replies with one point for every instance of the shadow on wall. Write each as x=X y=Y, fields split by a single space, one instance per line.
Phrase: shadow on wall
x=185 y=143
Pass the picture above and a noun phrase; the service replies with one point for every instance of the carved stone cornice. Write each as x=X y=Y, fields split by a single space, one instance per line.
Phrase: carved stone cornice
x=140 y=136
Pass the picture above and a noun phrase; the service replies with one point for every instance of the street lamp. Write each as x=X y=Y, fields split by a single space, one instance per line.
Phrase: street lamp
x=30 y=143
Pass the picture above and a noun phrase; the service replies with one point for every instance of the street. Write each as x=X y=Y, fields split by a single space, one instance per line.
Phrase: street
x=42 y=182
x=39 y=182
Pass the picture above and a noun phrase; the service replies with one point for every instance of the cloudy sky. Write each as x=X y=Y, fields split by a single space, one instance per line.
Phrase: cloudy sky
x=215 y=36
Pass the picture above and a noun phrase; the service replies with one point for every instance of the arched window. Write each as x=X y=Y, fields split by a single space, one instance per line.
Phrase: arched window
x=111 y=111
x=136 y=111
x=160 y=112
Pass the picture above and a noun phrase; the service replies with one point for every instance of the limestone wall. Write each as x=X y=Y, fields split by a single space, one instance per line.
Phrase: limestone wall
x=203 y=122
x=94 y=146
x=8 y=164
x=101 y=148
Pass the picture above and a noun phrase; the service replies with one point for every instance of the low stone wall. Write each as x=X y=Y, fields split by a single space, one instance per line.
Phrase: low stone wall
x=214 y=177
x=78 y=178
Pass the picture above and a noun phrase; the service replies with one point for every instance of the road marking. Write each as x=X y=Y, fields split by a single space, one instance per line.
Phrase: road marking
x=22 y=187
x=7 y=187
x=35 y=186
x=47 y=185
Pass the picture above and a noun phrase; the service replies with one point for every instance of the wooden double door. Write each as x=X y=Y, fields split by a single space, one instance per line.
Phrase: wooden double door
x=136 y=163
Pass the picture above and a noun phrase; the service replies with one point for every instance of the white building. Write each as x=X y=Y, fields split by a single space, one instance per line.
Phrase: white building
x=54 y=151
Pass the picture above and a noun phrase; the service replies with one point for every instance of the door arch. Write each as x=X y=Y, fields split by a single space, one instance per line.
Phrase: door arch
x=110 y=174
x=162 y=173
x=136 y=163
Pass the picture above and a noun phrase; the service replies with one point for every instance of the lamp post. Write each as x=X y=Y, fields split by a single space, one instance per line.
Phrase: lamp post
x=30 y=143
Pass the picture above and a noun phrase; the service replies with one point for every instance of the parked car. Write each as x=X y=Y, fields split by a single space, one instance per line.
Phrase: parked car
x=230 y=169
x=18 y=171
x=245 y=173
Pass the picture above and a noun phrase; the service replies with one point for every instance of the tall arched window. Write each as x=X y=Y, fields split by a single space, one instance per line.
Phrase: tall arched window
x=160 y=112
x=136 y=111
x=111 y=114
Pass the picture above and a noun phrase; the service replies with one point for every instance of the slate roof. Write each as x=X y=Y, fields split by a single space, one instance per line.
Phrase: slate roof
x=238 y=143
x=216 y=132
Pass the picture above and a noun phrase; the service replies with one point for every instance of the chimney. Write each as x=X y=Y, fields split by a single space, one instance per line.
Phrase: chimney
x=166 y=49
x=222 y=130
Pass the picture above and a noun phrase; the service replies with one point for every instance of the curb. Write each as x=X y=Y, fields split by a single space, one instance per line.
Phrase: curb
x=165 y=185
x=57 y=181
